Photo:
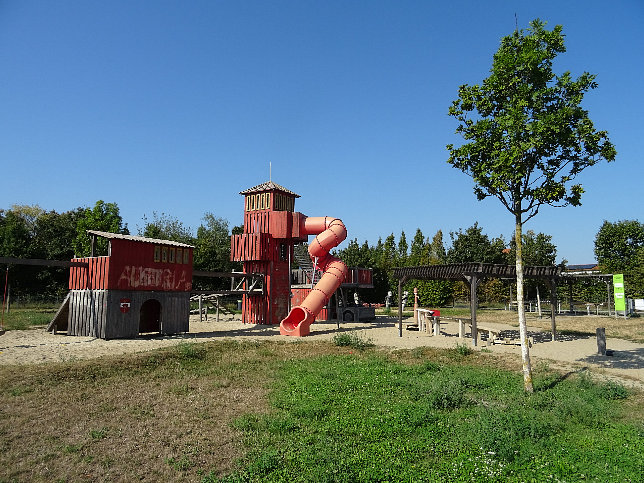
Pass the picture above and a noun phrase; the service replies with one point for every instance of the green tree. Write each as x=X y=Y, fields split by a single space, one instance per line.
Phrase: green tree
x=403 y=247
x=166 y=227
x=618 y=248
x=527 y=136
x=616 y=244
x=418 y=250
x=15 y=235
x=103 y=217
x=472 y=245
x=537 y=249
x=53 y=239
x=15 y=241
x=437 y=253
x=212 y=251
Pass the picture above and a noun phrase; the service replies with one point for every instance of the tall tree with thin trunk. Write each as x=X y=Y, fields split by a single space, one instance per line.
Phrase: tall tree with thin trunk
x=527 y=136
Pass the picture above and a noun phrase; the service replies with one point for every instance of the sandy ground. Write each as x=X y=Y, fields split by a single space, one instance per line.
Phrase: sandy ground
x=626 y=363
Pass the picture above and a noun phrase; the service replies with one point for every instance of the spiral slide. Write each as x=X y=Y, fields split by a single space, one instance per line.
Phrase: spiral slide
x=330 y=233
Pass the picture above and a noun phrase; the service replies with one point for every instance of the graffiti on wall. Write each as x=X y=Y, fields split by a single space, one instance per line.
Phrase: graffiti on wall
x=146 y=278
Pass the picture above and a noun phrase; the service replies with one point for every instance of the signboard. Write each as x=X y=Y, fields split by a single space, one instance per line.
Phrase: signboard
x=618 y=287
x=124 y=305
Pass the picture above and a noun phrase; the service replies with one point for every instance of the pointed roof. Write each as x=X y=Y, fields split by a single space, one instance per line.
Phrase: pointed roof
x=268 y=186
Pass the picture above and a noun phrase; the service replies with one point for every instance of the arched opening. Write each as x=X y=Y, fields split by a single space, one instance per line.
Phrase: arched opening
x=150 y=316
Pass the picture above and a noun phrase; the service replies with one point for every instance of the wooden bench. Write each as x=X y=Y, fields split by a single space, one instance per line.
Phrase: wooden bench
x=425 y=316
x=493 y=334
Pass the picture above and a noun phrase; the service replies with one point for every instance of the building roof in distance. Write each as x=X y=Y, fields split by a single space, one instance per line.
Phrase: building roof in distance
x=586 y=266
x=118 y=236
x=268 y=186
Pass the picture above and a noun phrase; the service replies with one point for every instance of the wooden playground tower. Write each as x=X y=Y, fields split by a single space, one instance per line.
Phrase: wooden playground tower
x=266 y=247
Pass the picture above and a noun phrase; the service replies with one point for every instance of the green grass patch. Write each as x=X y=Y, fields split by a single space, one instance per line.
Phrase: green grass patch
x=367 y=418
x=26 y=318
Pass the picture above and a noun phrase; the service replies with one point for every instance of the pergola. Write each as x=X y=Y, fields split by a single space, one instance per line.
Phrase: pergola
x=473 y=273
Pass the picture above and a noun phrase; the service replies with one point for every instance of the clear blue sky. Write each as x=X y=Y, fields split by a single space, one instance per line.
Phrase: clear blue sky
x=177 y=106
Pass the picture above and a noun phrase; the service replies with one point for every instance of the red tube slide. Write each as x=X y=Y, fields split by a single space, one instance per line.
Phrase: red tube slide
x=330 y=233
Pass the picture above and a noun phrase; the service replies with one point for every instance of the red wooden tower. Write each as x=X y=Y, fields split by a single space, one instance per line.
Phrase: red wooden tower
x=266 y=246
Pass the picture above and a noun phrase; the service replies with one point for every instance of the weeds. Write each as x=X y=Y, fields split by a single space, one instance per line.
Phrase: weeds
x=98 y=434
x=353 y=340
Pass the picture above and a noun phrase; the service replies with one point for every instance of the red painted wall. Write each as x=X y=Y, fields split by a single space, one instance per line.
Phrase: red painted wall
x=132 y=266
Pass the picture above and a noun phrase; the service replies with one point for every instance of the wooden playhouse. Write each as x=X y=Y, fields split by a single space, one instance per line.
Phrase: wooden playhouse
x=142 y=286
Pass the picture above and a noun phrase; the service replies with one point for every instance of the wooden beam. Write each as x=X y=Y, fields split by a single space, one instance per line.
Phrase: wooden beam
x=41 y=262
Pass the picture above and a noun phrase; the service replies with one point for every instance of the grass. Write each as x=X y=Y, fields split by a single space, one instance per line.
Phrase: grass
x=343 y=418
x=271 y=411
x=313 y=411
x=28 y=317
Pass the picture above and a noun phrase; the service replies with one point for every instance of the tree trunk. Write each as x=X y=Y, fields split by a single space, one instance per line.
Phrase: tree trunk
x=523 y=331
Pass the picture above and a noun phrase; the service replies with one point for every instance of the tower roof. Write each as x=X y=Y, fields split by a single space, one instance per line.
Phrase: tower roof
x=268 y=186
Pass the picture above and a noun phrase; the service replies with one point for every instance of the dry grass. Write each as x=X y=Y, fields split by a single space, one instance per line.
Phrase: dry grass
x=163 y=415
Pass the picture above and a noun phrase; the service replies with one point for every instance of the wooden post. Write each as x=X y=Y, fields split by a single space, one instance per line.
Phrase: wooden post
x=553 y=304
x=92 y=247
x=474 y=282
x=200 y=308
x=601 y=341
x=400 y=284
x=217 y=305
x=461 y=329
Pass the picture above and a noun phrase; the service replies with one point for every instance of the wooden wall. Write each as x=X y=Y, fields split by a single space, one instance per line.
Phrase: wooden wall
x=115 y=314
x=94 y=277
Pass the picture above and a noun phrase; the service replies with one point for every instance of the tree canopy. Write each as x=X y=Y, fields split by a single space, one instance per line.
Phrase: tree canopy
x=527 y=135
x=103 y=217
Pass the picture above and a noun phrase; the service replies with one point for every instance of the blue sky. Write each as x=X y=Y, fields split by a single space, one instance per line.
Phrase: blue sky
x=175 y=107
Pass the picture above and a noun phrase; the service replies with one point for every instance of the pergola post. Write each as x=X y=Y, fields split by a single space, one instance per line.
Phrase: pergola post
x=400 y=284
x=553 y=307
x=474 y=302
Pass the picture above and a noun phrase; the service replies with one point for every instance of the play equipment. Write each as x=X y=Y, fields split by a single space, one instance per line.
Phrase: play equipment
x=330 y=233
x=271 y=229
x=142 y=286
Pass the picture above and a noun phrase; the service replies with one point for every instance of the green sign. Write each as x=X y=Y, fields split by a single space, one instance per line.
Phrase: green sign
x=618 y=287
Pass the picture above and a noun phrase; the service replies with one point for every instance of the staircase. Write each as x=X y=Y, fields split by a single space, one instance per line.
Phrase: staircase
x=302 y=258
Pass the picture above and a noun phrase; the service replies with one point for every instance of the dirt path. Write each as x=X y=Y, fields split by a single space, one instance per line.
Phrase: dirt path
x=37 y=346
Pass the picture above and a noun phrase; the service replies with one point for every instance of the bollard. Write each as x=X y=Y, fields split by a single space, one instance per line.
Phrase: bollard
x=601 y=341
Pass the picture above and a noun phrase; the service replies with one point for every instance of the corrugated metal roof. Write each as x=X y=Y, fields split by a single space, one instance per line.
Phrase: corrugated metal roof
x=268 y=186
x=118 y=236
